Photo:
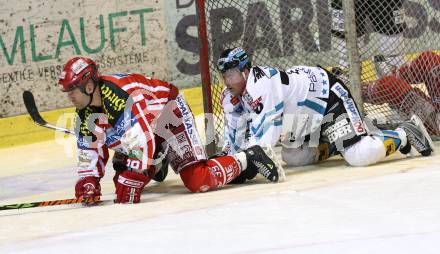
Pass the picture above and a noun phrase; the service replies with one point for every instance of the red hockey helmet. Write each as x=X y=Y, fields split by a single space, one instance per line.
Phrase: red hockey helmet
x=77 y=72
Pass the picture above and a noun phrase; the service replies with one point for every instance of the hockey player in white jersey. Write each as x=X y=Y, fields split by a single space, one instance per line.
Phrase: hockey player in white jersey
x=310 y=109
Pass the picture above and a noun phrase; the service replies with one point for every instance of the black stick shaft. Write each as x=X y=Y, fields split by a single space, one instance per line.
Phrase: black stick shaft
x=29 y=102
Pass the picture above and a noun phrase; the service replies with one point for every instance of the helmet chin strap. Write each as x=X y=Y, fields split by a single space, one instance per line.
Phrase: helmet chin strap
x=83 y=90
x=244 y=75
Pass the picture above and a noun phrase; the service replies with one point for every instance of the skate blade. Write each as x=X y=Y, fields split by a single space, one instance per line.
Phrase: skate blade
x=418 y=122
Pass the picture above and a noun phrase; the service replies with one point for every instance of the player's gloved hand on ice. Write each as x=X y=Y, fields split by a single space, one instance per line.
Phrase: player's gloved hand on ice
x=129 y=186
x=88 y=187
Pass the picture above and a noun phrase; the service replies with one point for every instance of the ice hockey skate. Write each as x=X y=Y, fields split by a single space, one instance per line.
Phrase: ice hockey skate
x=418 y=137
x=263 y=163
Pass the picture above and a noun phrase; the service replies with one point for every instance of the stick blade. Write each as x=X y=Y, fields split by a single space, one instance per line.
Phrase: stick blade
x=29 y=102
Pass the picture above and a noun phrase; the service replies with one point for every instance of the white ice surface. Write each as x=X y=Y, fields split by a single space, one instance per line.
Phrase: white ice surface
x=397 y=213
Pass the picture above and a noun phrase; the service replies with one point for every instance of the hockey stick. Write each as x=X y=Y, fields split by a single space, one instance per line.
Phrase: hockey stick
x=32 y=109
x=85 y=201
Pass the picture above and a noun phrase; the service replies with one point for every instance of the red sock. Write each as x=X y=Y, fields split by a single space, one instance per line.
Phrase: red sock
x=210 y=174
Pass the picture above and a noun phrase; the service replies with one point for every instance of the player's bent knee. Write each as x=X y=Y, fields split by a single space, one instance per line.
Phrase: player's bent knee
x=197 y=178
x=297 y=157
x=366 y=152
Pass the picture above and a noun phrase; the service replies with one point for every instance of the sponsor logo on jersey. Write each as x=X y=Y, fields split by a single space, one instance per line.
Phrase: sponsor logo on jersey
x=255 y=105
x=198 y=150
x=390 y=146
x=230 y=171
x=350 y=106
x=234 y=100
x=116 y=102
x=338 y=130
x=84 y=116
x=231 y=103
x=247 y=97
x=84 y=159
x=82 y=142
x=188 y=121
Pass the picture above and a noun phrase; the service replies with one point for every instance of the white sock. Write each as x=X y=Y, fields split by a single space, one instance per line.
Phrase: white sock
x=402 y=136
x=241 y=157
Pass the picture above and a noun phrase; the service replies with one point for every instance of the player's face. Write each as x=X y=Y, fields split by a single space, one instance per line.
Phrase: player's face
x=234 y=81
x=78 y=98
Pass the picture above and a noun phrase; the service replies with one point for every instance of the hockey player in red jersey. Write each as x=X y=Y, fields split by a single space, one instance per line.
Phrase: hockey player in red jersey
x=306 y=106
x=395 y=89
x=145 y=119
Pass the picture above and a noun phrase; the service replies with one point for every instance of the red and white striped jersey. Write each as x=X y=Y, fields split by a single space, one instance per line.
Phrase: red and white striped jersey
x=128 y=100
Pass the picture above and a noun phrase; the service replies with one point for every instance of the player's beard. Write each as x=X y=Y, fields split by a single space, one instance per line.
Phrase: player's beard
x=80 y=102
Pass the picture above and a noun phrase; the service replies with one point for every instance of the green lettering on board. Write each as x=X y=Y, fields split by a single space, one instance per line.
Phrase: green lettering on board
x=19 y=35
x=83 y=36
x=114 y=30
x=66 y=26
x=142 y=23
x=35 y=57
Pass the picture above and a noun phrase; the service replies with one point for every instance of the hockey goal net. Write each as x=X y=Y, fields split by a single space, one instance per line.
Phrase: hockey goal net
x=385 y=35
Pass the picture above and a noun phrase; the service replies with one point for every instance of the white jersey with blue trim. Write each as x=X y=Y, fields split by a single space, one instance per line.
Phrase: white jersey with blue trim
x=236 y=128
x=284 y=101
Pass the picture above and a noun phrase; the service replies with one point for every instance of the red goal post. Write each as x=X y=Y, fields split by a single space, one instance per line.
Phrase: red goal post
x=283 y=33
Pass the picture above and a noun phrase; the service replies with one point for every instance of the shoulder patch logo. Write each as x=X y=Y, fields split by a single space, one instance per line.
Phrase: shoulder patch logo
x=258 y=73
